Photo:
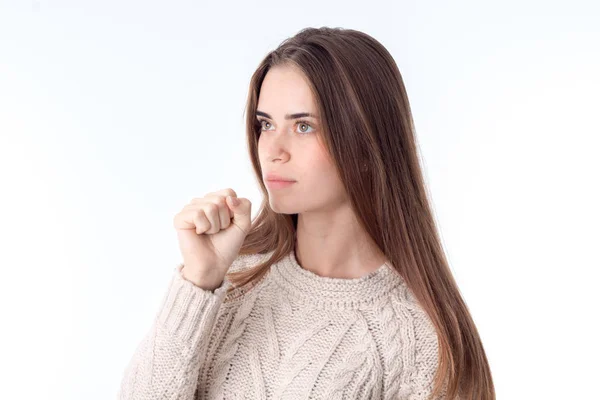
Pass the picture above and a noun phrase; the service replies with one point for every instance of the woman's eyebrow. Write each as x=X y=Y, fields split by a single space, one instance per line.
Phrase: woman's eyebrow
x=288 y=116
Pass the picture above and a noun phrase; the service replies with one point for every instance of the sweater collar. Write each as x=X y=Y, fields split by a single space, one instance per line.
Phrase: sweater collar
x=324 y=292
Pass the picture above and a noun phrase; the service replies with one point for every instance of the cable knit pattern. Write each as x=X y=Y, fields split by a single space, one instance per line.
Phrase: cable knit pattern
x=291 y=335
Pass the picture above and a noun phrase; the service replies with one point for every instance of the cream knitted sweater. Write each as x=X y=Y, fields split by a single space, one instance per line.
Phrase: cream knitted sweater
x=292 y=335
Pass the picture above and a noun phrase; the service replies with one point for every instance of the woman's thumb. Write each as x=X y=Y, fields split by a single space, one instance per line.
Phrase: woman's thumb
x=234 y=201
x=241 y=212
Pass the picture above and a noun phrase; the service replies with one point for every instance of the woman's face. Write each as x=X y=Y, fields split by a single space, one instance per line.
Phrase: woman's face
x=291 y=147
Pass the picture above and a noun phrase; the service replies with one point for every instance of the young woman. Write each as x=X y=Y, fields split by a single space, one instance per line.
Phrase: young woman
x=339 y=288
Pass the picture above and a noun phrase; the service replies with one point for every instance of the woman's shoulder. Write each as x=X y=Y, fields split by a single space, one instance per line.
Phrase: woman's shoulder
x=403 y=315
x=408 y=335
x=241 y=263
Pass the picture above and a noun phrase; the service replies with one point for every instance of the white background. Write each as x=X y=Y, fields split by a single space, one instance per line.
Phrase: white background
x=114 y=114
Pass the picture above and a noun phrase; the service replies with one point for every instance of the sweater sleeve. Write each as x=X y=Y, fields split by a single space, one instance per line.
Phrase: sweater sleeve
x=166 y=364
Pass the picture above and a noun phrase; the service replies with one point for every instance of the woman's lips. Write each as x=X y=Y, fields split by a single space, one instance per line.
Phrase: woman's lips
x=279 y=184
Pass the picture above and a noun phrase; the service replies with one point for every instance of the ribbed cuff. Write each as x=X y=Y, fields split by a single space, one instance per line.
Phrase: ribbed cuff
x=188 y=311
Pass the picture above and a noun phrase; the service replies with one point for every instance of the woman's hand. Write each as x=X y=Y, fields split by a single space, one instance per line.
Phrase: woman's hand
x=211 y=231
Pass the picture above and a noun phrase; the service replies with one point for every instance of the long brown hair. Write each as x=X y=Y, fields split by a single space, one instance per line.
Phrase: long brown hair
x=366 y=118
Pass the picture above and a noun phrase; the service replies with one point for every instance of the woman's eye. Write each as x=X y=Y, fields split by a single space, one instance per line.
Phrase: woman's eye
x=302 y=123
x=260 y=123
